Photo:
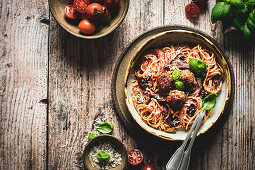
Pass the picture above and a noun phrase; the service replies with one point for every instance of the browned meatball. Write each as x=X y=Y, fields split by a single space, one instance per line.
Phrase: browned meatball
x=176 y=99
x=165 y=81
x=187 y=77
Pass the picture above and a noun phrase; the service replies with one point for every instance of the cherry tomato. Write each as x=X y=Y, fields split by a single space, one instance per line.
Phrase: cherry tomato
x=149 y=167
x=107 y=15
x=95 y=11
x=80 y=5
x=192 y=11
x=112 y=3
x=70 y=12
x=201 y=1
x=87 y=27
x=135 y=157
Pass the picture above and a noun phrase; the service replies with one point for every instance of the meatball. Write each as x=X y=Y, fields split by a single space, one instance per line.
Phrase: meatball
x=165 y=81
x=176 y=99
x=187 y=77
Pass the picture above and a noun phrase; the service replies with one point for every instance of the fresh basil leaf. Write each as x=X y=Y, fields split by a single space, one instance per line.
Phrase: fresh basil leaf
x=237 y=22
x=220 y=11
x=197 y=66
x=246 y=31
x=209 y=101
x=176 y=75
x=237 y=3
x=250 y=4
x=179 y=85
x=102 y=157
x=252 y=15
x=91 y=136
x=251 y=24
x=105 y=127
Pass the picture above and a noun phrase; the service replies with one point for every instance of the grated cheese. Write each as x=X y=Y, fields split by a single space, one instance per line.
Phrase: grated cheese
x=106 y=147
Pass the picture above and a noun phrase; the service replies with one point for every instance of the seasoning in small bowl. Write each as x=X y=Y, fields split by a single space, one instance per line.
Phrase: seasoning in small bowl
x=105 y=152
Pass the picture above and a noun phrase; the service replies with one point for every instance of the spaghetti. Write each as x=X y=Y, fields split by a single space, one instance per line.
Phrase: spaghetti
x=155 y=97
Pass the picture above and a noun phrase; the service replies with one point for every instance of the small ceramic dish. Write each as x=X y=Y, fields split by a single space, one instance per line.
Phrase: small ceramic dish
x=117 y=145
x=124 y=78
x=57 y=9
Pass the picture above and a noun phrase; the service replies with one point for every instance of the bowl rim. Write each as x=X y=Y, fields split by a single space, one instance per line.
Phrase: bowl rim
x=114 y=27
x=106 y=136
x=166 y=29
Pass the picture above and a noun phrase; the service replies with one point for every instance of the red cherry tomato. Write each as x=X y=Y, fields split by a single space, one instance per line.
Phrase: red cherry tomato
x=149 y=167
x=200 y=2
x=87 y=27
x=135 y=157
x=70 y=12
x=95 y=11
x=107 y=15
x=80 y=5
x=112 y=3
x=192 y=11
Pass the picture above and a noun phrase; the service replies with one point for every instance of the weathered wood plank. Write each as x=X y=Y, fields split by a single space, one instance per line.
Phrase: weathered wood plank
x=79 y=87
x=23 y=84
x=240 y=126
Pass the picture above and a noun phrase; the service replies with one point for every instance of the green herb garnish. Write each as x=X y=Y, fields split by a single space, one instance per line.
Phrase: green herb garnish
x=105 y=127
x=237 y=3
x=237 y=13
x=91 y=136
x=197 y=66
x=209 y=101
x=103 y=157
x=220 y=11
x=175 y=75
x=179 y=85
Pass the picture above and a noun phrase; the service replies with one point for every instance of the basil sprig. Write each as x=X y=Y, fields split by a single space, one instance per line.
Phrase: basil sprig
x=178 y=84
x=175 y=75
x=103 y=157
x=209 y=101
x=91 y=136
x=238 y=13
x=220 y=11
x=198 y=66
x=105 y=127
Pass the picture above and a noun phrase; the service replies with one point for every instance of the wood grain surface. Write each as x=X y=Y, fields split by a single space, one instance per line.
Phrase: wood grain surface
x=54 y=87
x=23 y=84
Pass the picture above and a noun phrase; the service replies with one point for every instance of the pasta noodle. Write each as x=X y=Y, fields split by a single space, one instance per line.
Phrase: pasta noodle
x=155 y=105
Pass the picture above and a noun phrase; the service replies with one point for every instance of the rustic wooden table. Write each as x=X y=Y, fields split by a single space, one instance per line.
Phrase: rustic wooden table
x=53 y=86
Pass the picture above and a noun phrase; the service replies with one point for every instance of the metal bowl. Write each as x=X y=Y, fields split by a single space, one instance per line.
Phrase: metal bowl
x=159 y=37
x=119 y=147
x=57 y=9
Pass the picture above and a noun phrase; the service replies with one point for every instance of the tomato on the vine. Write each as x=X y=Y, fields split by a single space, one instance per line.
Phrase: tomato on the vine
x=192 y=11
x=95 y=11
x=87 y=27
x=112 y=3
x=135 y=157
x=80 y=5
x=149 y=167
x=70 y=12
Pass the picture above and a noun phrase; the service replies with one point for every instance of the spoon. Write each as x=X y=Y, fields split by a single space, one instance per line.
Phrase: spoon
x=181 y=157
